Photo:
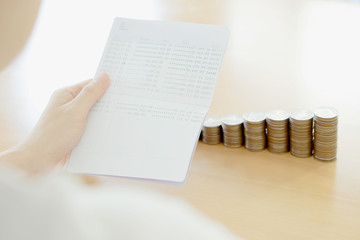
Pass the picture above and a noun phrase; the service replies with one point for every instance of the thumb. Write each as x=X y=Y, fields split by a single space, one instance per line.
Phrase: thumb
x=92 y=92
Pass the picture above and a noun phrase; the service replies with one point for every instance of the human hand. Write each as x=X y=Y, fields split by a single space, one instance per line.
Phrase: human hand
x=59 y=128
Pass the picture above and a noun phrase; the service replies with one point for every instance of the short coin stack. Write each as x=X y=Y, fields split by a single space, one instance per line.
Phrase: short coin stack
x=211 y=130
x=277 y=122
x=255 y=135
x=301 y=127
x=232 y=126
x=325 y=133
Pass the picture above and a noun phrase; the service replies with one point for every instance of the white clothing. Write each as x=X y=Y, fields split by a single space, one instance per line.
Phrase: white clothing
x=60 y=206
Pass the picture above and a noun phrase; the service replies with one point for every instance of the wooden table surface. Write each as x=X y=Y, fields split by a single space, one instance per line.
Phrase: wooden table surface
x=282 y=54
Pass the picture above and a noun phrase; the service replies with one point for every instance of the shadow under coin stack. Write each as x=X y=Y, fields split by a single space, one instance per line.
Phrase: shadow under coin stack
x=254 y=128
x=277 y=122
x=325 y=133
x=301 y=123
x=232 y=126
x=211 y=130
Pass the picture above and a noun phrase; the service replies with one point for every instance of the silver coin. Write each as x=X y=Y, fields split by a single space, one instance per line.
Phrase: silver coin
x=277 y=115
x=232 y=119
x=212 y=121
x=301 y=114
x=326 y=112
x=254 y=116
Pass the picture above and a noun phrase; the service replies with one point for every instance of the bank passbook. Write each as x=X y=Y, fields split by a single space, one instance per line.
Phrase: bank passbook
x=162 y=79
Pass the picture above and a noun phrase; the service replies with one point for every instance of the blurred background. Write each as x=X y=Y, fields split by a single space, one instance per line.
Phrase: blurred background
x=282 y=53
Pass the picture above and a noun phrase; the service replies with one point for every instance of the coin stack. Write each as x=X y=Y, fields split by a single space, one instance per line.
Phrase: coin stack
x=325 y=133
x=232 y=126
x=211 y=130
x=277 y=124
x=301 y=128
x=255 y=135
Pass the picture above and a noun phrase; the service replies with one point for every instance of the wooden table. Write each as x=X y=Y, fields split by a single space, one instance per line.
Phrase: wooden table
x=282 y=54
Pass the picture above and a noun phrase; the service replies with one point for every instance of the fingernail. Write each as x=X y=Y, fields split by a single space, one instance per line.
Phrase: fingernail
x=102 y=78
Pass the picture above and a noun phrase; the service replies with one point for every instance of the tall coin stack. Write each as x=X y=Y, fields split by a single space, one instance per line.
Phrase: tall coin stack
x=301 y=127
x=277 y=123
x=211 y=130
x=232 y=126
x=325 y=133
x=255 y=135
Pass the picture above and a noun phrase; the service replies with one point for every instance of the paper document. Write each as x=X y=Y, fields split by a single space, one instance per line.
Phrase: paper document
x=162 y=79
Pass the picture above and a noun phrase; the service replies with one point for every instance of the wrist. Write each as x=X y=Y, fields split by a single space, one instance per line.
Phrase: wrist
x=21 y=157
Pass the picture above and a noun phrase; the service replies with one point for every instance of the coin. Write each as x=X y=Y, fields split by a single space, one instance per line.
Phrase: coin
x=254 y=117
x=301 y=115
x=278 y=115
x=232 y=126
x=325 y=133
x=254 y=131
x=301 y=132
x=277 y=123
x=211 y=130
x=326 y=113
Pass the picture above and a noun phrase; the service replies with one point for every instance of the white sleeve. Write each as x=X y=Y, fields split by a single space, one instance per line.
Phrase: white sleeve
x=59 y=206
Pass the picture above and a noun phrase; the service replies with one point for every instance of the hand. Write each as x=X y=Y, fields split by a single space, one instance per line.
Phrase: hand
x=59 y=128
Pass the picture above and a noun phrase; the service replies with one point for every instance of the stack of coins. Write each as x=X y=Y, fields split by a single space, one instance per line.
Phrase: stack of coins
x=277 y=123
x=301 y=128
x=232 y=126
x=325 y=133
x=211 y=130
x=255 y=135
